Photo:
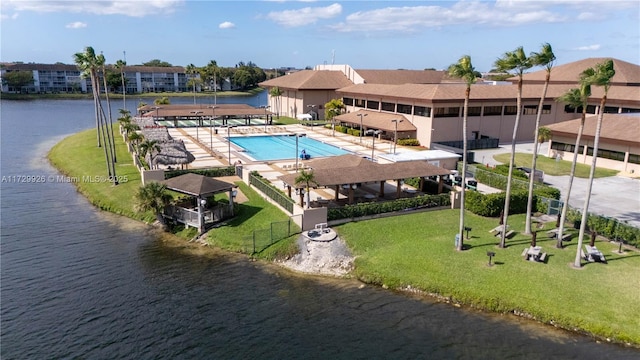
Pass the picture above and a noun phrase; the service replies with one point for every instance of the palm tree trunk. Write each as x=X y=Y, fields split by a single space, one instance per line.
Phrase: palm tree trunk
x=110 y=127
x=464 y=168
x=507 y=198
x=565 y=206
x=592 y=171
x=527 y=226
x=95 y=105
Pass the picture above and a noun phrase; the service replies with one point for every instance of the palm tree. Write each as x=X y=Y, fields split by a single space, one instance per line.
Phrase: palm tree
x=518 y=62
x=191 y=70
x=602 y=75
x=162 y=101
x=120 y=64
x=101 y=61
x=148 y=147
x=86 y=63
x=544 y=58
x=332 y=109
x=576 y=98
x=306 y=178
x=152 y=197
x=463 y=69
x=544 y=135
x=276 y=93
x=211 y=71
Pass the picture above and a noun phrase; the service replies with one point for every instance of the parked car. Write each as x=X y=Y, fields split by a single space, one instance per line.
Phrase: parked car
x=539 y=174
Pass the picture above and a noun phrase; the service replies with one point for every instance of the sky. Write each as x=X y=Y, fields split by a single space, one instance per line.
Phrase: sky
x=279 y=33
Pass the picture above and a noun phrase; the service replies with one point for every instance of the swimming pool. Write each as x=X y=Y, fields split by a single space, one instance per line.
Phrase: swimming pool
x=280 y=147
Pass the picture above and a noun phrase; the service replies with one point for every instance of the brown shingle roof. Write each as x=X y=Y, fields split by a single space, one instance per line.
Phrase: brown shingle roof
x=352 y=169
x=616 y=128
x=403 y=76
x=626 y=73
x=195 y=184
x=184 y=110
x=310 y=80
x=377 y=120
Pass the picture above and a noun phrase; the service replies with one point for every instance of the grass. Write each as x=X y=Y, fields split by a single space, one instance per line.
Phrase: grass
x=552 y=167
x=78 y=157
x=417 y=250
x=599 y=299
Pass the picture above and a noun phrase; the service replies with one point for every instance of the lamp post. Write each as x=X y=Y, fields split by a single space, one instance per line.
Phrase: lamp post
x=361 y=115
x=266 y=117
x=373 y=144
x=157 y=108
x=395 y=133
x=213 y=111
x=196 y=113
x=298 y=136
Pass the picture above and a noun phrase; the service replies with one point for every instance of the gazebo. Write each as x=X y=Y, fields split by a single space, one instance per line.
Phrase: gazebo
x=172 y=152
x=194 y=212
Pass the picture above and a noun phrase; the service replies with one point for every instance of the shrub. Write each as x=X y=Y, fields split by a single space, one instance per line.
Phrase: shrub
x=409 y=142
x=212 y=172
x=372 y=208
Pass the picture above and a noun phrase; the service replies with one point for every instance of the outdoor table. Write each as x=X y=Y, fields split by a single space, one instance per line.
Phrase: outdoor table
x=534 y=252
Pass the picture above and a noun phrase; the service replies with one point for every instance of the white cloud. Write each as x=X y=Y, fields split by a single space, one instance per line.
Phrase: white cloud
x=9 y=17
x=588 y=47
x=128 y=8
x=227 y=25
x=304 y=16
x=76 y=25
x=587 y=16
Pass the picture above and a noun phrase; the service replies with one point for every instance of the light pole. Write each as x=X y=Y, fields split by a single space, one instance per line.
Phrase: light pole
x=395 y=133
x=361 y=115
x=196 y=113
x=266 y=117
x=157 y=108
x=213 y=111
x=373 y=144
x=298 y=136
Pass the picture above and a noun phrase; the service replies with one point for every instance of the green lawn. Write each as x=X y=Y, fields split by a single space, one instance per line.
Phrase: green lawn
x=553 y=167
x=599 y=298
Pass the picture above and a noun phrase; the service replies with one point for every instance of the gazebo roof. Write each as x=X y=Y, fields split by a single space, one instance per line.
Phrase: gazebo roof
x=352 y=169
x=173 y=152
x=197 y=185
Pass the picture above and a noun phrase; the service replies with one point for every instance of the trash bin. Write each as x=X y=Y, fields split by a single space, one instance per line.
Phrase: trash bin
x=576 y=224
x=457 y=240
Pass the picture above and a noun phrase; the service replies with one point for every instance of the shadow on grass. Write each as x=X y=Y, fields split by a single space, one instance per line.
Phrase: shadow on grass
x=245 y=212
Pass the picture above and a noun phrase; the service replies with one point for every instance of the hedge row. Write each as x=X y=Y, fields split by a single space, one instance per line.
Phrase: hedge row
x=373 y=208
x=409 y=142
x=491 y=205
x=610 y=228
x=211 y=172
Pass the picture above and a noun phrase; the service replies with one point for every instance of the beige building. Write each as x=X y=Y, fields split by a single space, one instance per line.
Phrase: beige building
x=427 y=105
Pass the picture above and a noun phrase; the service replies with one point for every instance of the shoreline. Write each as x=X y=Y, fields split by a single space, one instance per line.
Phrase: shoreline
x=178 y=241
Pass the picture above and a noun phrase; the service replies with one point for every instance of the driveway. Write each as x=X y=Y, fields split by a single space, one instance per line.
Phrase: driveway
x=615 y=196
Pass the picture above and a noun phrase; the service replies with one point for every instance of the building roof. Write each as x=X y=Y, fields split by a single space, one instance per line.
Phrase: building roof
x=353 y=169
x=403 y=76
x=74 y=67
x=627 y=74
x=616 y=128
x=310 y=80
x=197 y=185
x=377 y=120
x=424 y=155
x=184 y=110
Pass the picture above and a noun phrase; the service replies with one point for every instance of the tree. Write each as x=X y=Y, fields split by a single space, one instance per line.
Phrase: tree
x=463 y=69
x=276 y=94
x=602 y=75
x=162 y=101
x=576 y=98
x=152 y=197
x=101 y=61
x=544 y=58
x=544 y=135
x=306 y=178
x=518 y=62
x=156 y=62
x=120 y=64
x=332 y=109
x=16 y=80
x=191 y=71
x=148 y=147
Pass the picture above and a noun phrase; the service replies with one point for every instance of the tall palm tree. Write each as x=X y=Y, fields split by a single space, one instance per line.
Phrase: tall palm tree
x=212 y=69
x=191 y=71
x=544 y=58
x=120 y=64
x=518 y=62
x=101 y=61
x=148 y=147
x=463 y=69
x=306 y=178
x=86 y=63
x=576 y=98
x=602 y=75
x=276 y=93
x=544 y=135
x=152 y=197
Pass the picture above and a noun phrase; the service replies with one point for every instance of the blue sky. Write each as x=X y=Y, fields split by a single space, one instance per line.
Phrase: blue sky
x=363 y=34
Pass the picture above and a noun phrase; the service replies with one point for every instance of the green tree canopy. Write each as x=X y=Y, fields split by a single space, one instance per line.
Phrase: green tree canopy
x=16 y=80
x=157 y=62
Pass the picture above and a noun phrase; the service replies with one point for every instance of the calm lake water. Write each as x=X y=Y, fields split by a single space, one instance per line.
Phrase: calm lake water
x=80 y=283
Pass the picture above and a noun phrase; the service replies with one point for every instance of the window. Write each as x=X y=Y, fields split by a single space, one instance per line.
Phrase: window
x=569 y=109
x=347 y=101
x=447 y=112
x=421 y=111
x=591 y=109
x=404 y=109
x=562 y=146
x=530 y=110
x=492 y=110
x=388 y=106
x=546 y=109
x=634 y=159
x=607 y=154
x=360 y=103
x=373 y=105
x=510 y=110
x=630 y=110
x=611 y=109
x=474 y=110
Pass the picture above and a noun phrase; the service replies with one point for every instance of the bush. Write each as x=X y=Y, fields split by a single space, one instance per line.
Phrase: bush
x=212 y=172
x=409 y=142
x=373 y=208
x=491 y=205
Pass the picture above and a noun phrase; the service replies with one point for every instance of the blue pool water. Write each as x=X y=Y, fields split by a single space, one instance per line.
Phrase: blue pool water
x=280 y=147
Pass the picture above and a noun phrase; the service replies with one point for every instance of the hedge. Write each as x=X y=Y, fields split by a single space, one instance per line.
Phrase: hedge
x=491 y=205
x=409 y=142
x=610 y=228
x=211 y=172
x=373 y=208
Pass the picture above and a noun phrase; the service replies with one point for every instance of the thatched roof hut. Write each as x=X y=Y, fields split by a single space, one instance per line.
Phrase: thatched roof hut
x=173 y=152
